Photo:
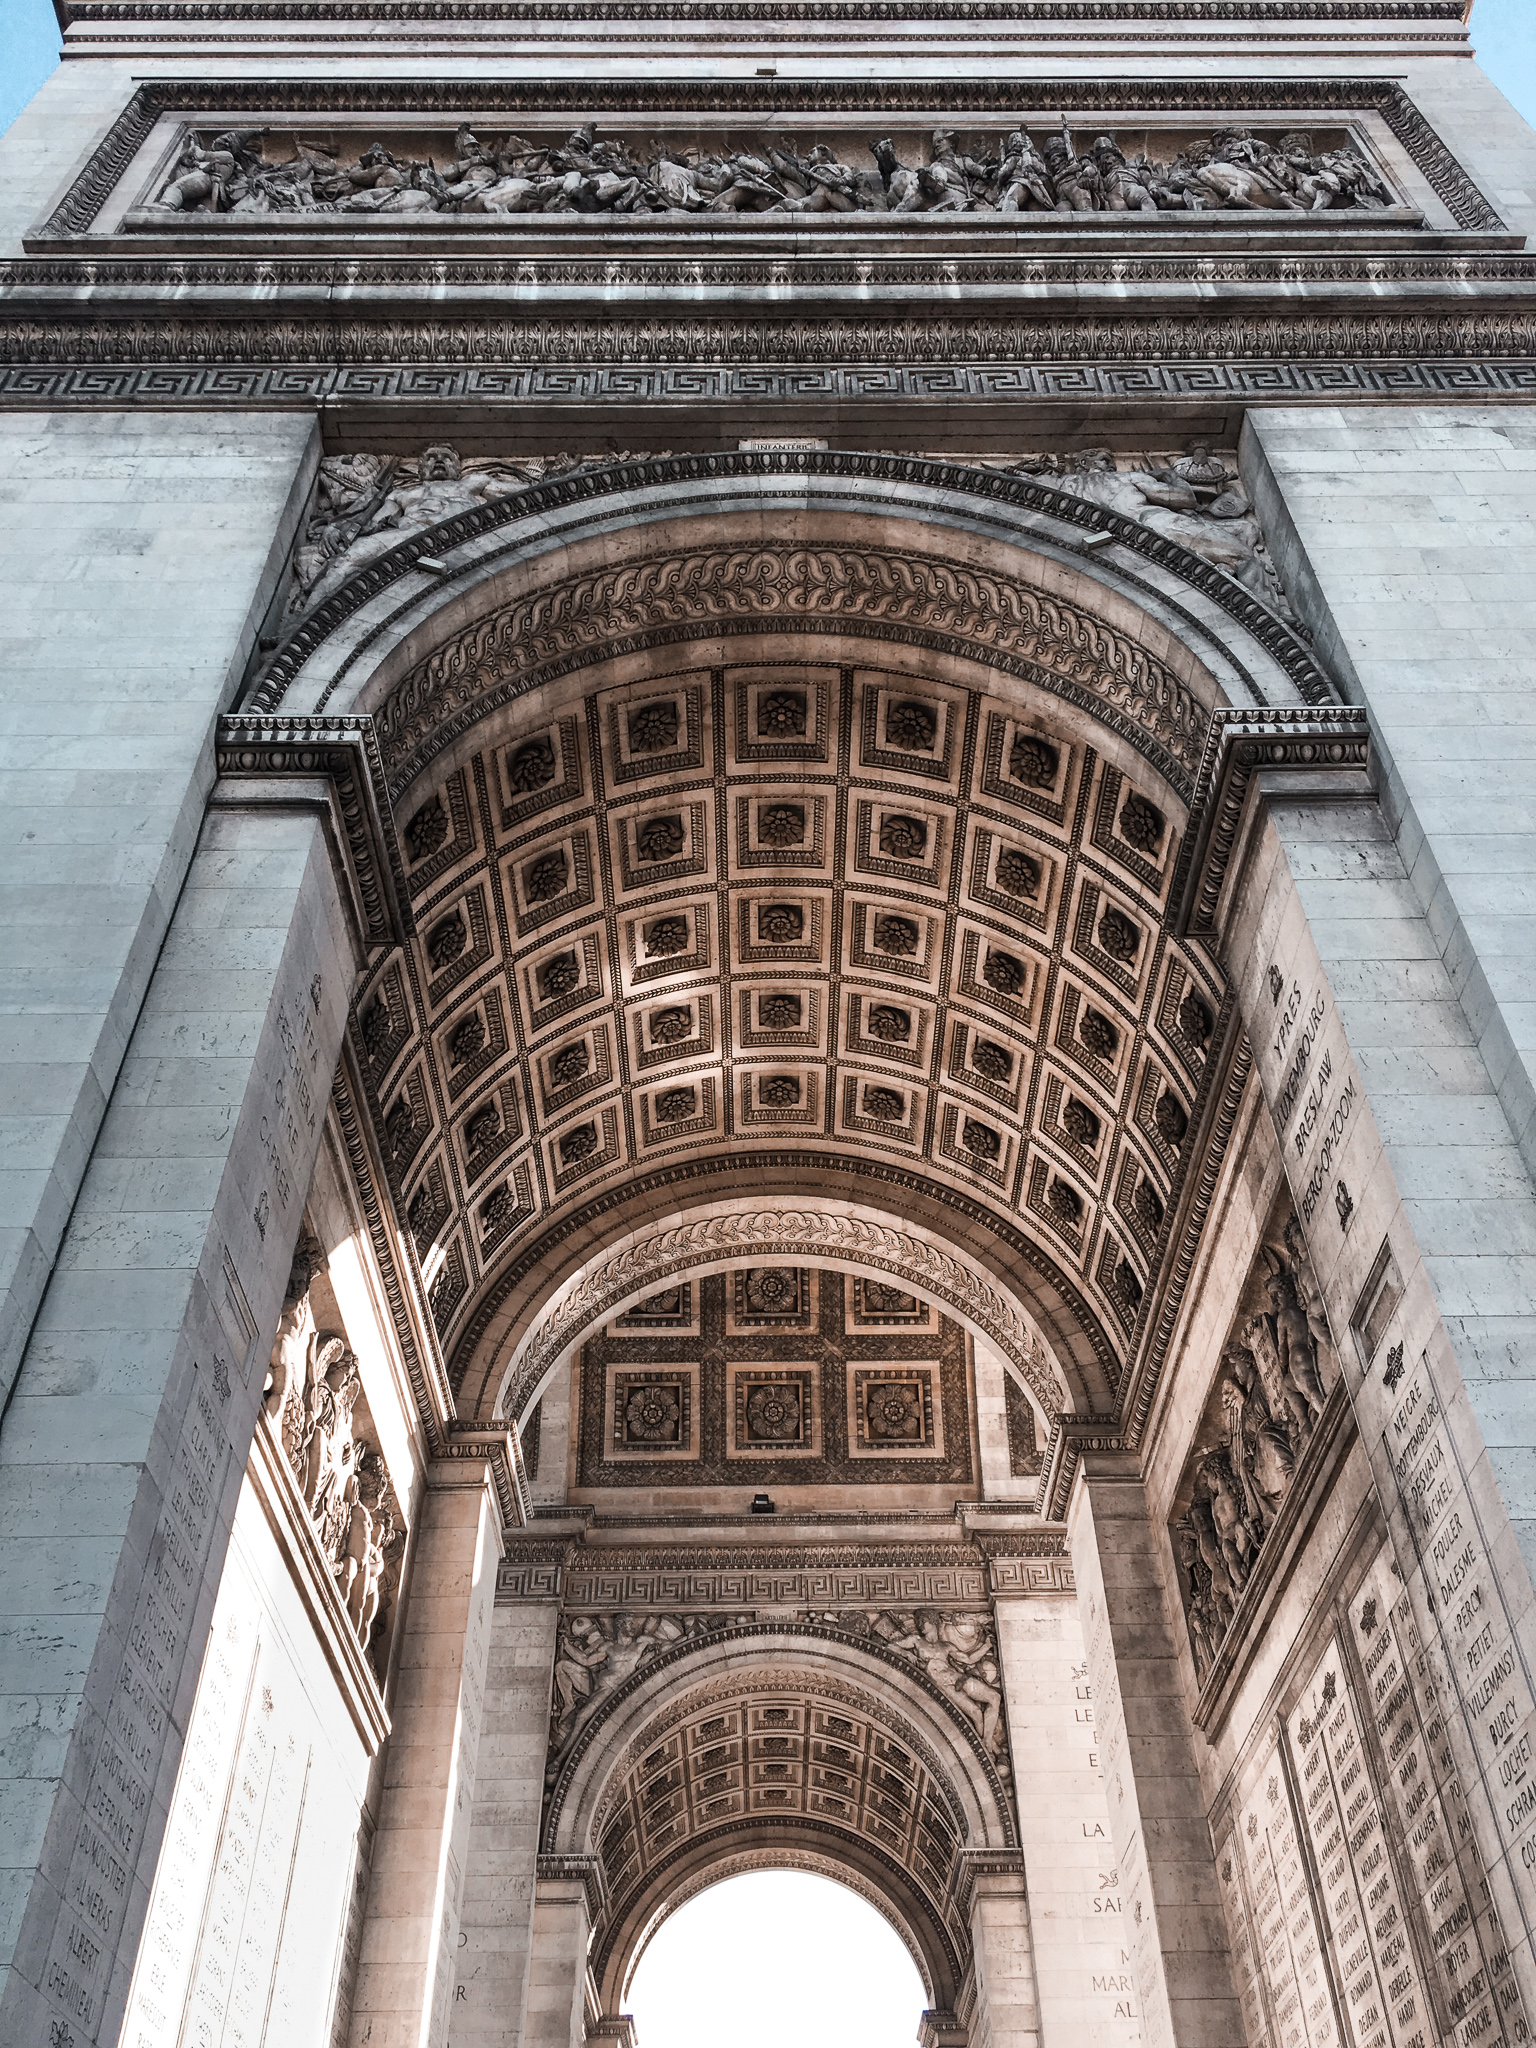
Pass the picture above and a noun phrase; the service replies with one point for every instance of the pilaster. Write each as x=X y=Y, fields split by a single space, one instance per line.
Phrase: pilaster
x=991 y=1891
x=405 y=1979
x=126 y=1441
x=567 y=1900
x=1078 y=1920
x=496 y=1917
x=1157 y=1808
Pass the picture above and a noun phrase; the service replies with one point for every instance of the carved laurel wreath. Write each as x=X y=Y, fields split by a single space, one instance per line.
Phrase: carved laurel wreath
x=501 y=651
x=783 y=1233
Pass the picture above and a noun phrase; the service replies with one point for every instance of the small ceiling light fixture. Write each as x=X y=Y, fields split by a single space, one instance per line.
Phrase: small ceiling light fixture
x=761 y=1505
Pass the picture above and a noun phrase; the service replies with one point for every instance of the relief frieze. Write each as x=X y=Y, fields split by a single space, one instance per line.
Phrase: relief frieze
x=1278 y=1368
x=246 y=174
x=315 y=1407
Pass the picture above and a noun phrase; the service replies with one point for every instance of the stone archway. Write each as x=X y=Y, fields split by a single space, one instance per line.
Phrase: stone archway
x=1059 y=705
x=794 y=1745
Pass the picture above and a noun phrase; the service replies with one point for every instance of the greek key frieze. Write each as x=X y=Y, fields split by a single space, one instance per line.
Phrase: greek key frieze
x=963 y=1586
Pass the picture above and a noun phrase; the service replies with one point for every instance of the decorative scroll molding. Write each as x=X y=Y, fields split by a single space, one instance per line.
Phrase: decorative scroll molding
x=579 y=99
x=587 y=1871
x=346 y=751
x=923 y=1575
x=500 y=655
x=498 y=1450
x=785 y=1233
x=1071 y=1436
x=1325 y=746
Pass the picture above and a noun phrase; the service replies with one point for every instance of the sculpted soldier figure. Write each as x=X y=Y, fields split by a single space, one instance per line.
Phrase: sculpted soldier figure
x=1023 y=183
x=1074 y=179
x=1121 y=187
x=589 y=174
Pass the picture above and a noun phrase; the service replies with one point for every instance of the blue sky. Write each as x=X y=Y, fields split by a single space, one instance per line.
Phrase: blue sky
x=1504 y=32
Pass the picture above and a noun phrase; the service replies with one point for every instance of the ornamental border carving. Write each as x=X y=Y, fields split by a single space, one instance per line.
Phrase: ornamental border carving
x=461 y=98
x=73 y=363
x=918 y=1582
x=81 y=12
x=943 y=266
x=988 y=486
x=924 y=600
x=788 y=1233
x=882 y=1172
x=1016 y=1575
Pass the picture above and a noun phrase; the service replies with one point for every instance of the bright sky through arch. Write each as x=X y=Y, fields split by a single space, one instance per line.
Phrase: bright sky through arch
x=777 y=1959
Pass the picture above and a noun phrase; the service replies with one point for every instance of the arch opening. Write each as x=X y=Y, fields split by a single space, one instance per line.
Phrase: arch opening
x=840 y=1742
x=763 y=878
x=791 y=1946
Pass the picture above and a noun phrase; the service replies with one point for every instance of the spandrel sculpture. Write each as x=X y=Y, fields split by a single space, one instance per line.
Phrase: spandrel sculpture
x=364 y=505
x=246 y=173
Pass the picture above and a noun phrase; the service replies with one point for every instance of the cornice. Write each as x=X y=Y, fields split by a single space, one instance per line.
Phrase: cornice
x=934 y=343
x=425 y=13
x=345 y=750
x=550 y=259
x=1323 y=752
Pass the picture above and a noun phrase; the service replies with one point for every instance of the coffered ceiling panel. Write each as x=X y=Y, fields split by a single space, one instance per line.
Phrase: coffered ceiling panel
x=772 y=905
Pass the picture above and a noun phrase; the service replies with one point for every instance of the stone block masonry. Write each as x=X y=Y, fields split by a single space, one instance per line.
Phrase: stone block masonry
x=126 y=1441
x=136 y=556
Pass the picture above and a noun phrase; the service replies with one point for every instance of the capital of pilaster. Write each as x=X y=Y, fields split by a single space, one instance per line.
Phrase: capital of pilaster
x=615 y=2027
x=1318 y=753
x=998 y=1872
x=585 y=1872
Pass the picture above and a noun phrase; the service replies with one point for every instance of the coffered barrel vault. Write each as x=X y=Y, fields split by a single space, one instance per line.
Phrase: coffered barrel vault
x=878 y=878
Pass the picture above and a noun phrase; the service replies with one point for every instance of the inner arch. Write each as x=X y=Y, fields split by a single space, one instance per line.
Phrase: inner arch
x=801 y=1929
